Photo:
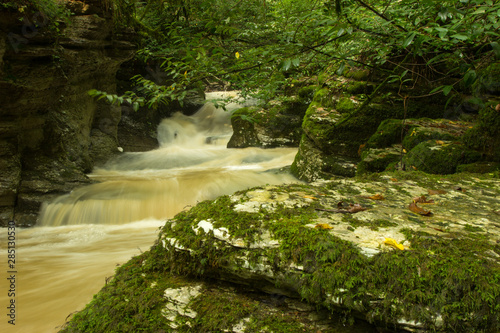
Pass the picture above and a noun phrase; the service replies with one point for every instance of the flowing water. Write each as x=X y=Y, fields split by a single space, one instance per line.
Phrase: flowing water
x=82 y=236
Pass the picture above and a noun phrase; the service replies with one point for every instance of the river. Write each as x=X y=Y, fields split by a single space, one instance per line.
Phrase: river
x=81 y=237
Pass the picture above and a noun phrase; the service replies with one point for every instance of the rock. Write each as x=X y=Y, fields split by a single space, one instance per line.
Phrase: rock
x=278 y=125
x=49 y=119
x=439 y=157
x=300 y=242
x=174 y=303
x=417 y=144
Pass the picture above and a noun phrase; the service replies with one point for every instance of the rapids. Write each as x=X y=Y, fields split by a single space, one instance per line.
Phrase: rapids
x=82 y=236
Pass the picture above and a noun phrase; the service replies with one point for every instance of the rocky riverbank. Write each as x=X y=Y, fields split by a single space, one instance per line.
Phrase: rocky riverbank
x=402 y=251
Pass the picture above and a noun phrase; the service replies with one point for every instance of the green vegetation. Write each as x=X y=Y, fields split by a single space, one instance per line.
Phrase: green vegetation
x=259 y=46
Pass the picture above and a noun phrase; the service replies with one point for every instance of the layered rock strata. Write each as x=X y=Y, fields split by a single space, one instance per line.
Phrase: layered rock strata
x=52 y=130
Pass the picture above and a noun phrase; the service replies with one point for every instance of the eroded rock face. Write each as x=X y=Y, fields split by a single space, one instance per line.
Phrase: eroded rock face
x=52 y=125
x=402 y=251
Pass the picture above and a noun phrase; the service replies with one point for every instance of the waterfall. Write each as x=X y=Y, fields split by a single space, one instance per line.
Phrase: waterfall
x=192 y=164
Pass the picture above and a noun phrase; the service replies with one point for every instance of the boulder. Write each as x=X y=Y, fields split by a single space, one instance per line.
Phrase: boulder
x=402 y=251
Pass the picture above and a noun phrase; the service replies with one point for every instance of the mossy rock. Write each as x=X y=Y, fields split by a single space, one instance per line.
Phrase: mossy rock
x=357 y=87
x=244 y=134
x=439 y=158
x=415 y=131
x=311 y=163
x=324 y=97
x=485 y=135
x=479 y=167
x=389 y=132
x=377 y=160
x=345 y=105
x=488 y=81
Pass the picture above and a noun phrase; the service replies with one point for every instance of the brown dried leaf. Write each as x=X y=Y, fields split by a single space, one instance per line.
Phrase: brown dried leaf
x=377 y=197
x=432 y=192
x=422 y=199
x=356 y=208
x=414 y=208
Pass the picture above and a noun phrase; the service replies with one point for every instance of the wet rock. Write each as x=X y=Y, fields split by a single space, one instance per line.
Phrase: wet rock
x=297 y=253
x=278 y=125
x=51 y=124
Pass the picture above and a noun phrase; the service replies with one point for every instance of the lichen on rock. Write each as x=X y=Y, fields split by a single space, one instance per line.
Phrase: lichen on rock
x=306 y=243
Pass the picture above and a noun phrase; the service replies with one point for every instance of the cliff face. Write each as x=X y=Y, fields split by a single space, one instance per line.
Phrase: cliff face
x=51 y=131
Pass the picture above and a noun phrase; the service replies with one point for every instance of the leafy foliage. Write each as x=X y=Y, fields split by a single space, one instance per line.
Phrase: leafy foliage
x=260 y=46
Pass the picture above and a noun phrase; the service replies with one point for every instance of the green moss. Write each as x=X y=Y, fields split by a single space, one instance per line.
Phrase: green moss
x=389 y=132
x=357 y=87
x=128 y=303
x=437 y=158
x=472 y=228
x=449 y=277
x=378 y=160
x=480 y=167
x=485 y=135
x=345 y=105
x=324 y=98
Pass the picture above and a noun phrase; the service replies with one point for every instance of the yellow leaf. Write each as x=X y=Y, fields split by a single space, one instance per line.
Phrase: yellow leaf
x=377 y=197
x=391 y=242
x=309 y=197
x=323 y=226
x=237 y=55
x=439 y=142
x=404 y=151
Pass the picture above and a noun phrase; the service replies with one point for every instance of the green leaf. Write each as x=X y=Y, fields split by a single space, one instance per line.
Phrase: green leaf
x=93 y=92
x=460 y=37
x=447 y=89
x=436 y=89
x=470 y=78
x=409 y=39
x=296 y=62
x=135 y=106
x=341 y=69
x=286 y=65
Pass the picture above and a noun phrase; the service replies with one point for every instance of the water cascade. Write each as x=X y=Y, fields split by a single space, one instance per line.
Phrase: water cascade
x=83 y=235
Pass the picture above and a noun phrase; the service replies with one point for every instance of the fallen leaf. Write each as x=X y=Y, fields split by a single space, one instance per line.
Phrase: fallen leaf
x=439 y=142
x=309 y=197
x=432 y=192
x=422 y=199
x=414 y=208
x=393 y=243
x=394 y=179
x=377 y=197
x=323 y=226
x=497 y=108
x=356 y=208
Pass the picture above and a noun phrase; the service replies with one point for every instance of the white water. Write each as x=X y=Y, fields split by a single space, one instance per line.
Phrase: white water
x=83 y=235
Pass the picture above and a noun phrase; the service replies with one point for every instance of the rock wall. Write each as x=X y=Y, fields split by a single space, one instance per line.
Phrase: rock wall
x=51 y=130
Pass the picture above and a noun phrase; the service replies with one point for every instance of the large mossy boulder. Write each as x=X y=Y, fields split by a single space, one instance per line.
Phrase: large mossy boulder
x=362 y=247
x=344 y=115
x=430 y=145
